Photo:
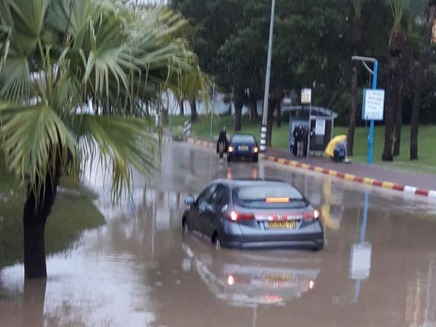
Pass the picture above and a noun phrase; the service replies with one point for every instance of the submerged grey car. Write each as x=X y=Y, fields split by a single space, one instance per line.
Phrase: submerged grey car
x=254 y=213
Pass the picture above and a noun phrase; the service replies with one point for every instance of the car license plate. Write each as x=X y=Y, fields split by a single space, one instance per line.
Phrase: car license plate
x=292 y=224
x=243 y=148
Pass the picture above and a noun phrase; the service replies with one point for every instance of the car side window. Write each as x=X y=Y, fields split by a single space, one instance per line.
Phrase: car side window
x=204 y=198
x=217 y=196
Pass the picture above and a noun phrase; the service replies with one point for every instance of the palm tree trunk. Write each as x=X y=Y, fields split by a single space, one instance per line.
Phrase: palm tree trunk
x=182 y=107
x=238 y=112
x=253 y=109
x=398 y=125
x=34 y=218
x=396 y=46
x=194 y=114
x=414 y=125
x=391 y=106
x=239 y=99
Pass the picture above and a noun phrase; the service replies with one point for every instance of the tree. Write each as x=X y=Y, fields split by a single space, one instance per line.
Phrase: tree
x=426 y=40
x=412 y=13
x=396 y=43
x=356 y=45
x=62 y=55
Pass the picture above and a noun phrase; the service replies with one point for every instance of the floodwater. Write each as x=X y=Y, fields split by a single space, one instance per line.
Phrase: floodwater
x=378 y=267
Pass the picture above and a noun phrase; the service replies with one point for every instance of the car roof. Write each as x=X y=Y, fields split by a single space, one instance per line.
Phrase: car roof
x=243 y=135
x=238 y=182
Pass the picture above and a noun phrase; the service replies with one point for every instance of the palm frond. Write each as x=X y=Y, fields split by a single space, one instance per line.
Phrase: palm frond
x=16 y=80
x=35 y=142
x=119 y=143
x=66 y=53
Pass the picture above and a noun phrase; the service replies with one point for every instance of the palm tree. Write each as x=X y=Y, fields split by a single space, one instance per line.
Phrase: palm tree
x=411 y=11
x=62 y=55
x=431 y=15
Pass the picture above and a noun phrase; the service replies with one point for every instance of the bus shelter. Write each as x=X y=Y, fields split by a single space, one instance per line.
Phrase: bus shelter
x=318 y=121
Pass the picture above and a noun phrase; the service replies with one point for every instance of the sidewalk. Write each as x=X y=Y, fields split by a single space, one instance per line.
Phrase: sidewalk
x=403 y=181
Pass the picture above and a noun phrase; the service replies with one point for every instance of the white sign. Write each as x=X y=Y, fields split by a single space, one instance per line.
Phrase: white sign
x=287 y=101
x=360 y=261
x=306 y=96
x=319 y=126
x=373 y=104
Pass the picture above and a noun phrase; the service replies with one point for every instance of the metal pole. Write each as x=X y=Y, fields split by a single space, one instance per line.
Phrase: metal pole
x=263 y=131
x=374 y=86
x=212 y=110
x=371 y=122
x=308 y=130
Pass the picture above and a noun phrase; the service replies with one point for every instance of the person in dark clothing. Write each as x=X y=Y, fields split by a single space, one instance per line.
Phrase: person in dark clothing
x=222 y=143
x=339 y=153
x=305 y=140
x=298 y=135
x=294 y=143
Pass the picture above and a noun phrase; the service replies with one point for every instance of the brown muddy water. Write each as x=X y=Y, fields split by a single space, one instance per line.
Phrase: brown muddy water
x=378 y=267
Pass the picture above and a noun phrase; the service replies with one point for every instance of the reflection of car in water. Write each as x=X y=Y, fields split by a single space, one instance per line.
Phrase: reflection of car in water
x=253 y=278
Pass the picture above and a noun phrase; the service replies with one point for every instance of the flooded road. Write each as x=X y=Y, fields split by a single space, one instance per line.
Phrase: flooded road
x=378 y=267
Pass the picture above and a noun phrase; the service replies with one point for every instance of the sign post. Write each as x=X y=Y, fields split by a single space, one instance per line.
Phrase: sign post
x=373 y=102
x=306 y=98
x=263 y=130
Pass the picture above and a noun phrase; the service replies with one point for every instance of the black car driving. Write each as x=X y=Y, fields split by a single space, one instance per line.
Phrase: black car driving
x=242 y=145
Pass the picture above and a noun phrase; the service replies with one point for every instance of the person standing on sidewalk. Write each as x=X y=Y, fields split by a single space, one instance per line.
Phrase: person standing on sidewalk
x=298 y=135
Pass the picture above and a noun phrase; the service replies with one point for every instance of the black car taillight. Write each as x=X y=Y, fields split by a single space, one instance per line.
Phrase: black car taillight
x=311 y=215
x=238 y=216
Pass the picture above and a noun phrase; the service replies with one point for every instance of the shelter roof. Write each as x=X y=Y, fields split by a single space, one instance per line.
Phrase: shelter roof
x=315 y=110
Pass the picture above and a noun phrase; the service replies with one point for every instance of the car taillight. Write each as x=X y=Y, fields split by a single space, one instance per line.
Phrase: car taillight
x=238 y=216
x=231 y=148
x=255 y=149
x=311 y=215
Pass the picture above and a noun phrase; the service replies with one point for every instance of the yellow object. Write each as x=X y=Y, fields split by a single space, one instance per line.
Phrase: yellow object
x=333 y=143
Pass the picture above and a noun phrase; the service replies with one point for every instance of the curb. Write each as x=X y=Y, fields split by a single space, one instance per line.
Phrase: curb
x=353 y=178
x=348 y=177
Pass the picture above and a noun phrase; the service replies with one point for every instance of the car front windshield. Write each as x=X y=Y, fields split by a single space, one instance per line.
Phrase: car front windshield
x=270 y=195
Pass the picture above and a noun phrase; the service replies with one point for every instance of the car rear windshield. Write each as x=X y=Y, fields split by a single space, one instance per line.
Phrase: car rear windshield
x=269 y=196
x=243 y=138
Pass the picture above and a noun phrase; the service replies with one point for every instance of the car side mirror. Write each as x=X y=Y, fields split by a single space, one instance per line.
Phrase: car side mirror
x=189 y=200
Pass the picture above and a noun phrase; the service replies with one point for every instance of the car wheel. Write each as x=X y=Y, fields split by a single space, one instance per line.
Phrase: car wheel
x=255 y=159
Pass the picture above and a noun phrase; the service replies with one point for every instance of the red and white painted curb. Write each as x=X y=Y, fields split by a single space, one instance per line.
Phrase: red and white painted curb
x=349 y=177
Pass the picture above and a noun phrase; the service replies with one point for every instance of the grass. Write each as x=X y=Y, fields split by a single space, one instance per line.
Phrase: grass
x=426 y=162
x=72 y=213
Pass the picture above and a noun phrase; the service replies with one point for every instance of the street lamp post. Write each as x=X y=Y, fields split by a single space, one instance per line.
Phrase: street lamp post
x=263 y=132
x=373 y=72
